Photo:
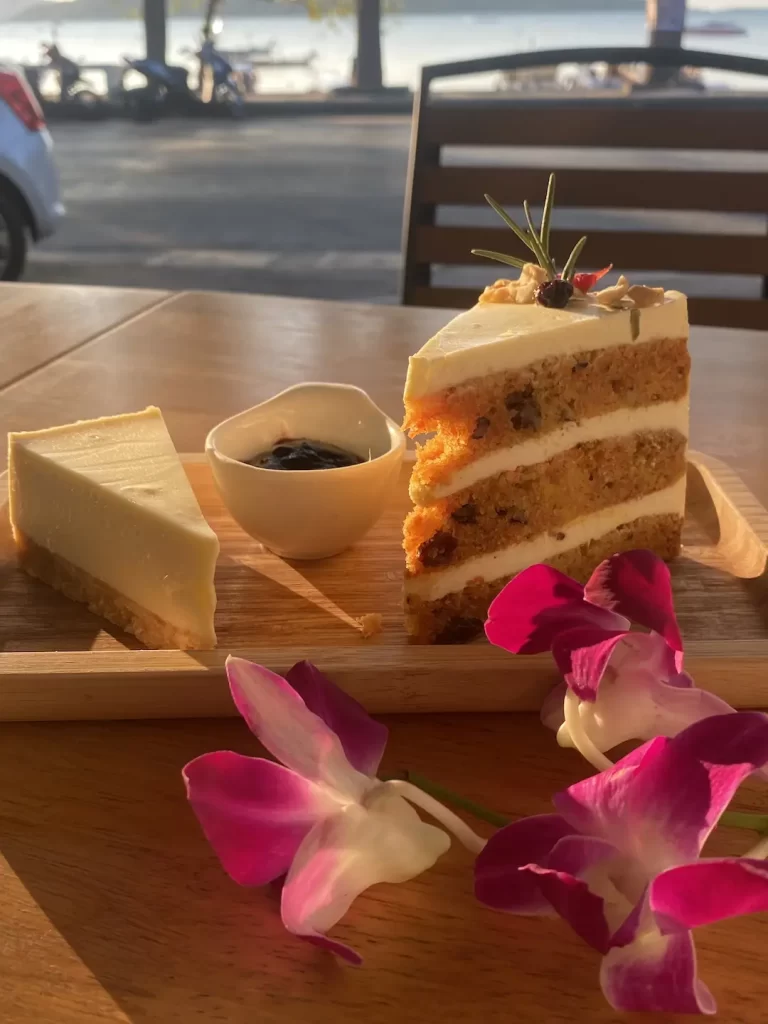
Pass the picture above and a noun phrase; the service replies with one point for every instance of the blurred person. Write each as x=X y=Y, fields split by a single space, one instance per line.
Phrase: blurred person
x=67 y=70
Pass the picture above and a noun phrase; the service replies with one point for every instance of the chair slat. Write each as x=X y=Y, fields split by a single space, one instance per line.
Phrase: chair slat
x=723 y=124
x=750 y=314
x=639 y=250
x=728 y=191
x=613 y=126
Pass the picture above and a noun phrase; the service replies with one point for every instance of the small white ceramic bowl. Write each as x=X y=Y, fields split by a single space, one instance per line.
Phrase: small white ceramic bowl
x=316 y=513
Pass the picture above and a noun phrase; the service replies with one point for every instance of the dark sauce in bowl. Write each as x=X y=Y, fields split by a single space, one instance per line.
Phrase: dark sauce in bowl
x=302 y=453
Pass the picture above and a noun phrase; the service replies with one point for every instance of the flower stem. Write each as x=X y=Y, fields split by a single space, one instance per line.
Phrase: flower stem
x=756 y=822
x=473 y=842
x=758 y=852
x=739 y=819
x=579 y=736
x=477 y=810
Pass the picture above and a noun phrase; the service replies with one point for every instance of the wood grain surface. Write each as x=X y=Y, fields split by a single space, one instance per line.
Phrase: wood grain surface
x=39 y=323
x=80 y=663
x=113 y=909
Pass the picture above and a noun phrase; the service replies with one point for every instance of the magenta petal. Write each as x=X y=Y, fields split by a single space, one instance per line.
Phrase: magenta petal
x=655 y=811
x=499 y=882
x=731 y=746
x=536 y=605
x=656 y=973
x=651 y=654
x=332 y=946
x=277 y=715
x=254 y=813
x=363 y=738
x=637 y=584
x=569 y=894
x=707 y=891
x=582 y=655
x=728 y=739
x=659 y=804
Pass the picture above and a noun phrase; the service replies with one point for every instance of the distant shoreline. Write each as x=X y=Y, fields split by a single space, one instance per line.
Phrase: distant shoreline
x=111 y=10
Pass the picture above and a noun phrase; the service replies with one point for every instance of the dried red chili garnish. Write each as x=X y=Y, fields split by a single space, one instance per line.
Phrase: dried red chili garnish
x=586 y=282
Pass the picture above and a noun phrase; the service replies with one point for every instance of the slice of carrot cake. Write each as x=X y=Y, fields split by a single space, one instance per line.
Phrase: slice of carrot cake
x=558 y=434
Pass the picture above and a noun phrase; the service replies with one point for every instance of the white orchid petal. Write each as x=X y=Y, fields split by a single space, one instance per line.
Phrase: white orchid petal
x=636 y=705
x=385 y=841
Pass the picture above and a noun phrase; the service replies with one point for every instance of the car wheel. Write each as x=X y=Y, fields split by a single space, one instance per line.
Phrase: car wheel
x=13 y=240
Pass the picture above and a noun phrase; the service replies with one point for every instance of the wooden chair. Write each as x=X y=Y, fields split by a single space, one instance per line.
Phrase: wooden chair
x=642 y=120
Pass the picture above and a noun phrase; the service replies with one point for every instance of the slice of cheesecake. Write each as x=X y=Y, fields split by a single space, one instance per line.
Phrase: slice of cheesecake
x=102 y=511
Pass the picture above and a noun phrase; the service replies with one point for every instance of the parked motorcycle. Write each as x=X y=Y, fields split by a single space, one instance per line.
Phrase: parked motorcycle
x=159 y=89
x=227 y=91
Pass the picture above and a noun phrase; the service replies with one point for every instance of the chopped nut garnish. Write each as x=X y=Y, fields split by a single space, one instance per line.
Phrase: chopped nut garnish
x=643 y=296
x=613 y=295
x=620 y=295
x=522 y=291
x=500 y=291
x=370 y=624
x=533 y=274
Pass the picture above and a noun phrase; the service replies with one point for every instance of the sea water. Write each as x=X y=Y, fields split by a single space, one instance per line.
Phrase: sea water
x=409 y=41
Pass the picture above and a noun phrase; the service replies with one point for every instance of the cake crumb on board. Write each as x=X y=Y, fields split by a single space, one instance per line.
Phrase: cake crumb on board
x=370 y=624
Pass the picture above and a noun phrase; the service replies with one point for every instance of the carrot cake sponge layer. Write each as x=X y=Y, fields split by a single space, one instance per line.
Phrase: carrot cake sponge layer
x=557 y=435
x=459 y=615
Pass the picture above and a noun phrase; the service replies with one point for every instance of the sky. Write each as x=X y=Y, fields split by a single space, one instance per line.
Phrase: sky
x=8 y=7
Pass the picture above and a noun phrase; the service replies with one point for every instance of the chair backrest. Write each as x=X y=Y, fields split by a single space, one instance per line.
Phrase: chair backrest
x=644 y=120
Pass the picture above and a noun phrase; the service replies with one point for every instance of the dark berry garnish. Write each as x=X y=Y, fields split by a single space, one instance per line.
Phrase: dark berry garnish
x=465 y=514
x=582 y=364
x=481 y=428
x=516 y=515
x=459 y=629
x=554 y=294
x=438 y=549
x=301 y=453
x=524 y=410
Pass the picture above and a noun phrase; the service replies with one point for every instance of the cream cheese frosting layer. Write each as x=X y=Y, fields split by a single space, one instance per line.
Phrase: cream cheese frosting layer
x=516 y=557
x=492 y=337
x=620 y=423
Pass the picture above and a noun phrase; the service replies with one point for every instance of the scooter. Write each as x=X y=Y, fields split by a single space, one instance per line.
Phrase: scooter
x=227 y=92
x=164 y=90
x=73 y=91
x=222 y=90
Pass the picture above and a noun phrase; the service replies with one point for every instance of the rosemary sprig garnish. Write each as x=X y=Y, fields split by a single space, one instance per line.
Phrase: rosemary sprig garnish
x=509 y=222
x=541 y=255
x=500 y=257
x=546 y=216
x=536 y=239
x=570 y=266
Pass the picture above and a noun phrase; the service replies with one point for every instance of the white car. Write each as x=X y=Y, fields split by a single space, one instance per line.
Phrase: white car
x=30 y=203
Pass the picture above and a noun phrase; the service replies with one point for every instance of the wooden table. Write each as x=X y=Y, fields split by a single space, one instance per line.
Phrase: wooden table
x=113 y=908
x=40 y=323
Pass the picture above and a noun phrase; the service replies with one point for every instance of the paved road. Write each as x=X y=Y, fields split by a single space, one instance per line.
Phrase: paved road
x=308 y=207
x=296 y=207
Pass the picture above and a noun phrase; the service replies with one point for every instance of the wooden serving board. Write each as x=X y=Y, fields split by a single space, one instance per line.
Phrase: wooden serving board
x=57 y=661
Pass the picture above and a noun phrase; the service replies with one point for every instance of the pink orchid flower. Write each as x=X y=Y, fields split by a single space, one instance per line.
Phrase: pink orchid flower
x=619 y=685
x=321 y=818
x=620 y=861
